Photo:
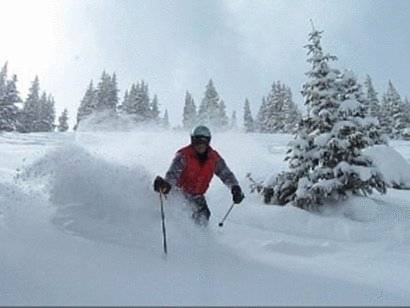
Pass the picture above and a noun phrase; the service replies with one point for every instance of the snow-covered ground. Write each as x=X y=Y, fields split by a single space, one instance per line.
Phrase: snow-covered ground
x=80 y=225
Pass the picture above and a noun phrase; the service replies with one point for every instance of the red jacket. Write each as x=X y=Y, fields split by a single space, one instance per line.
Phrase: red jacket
x=192 y=176
x=196 y=177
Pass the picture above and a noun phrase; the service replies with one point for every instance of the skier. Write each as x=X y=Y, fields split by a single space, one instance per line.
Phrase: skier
x=192 y=170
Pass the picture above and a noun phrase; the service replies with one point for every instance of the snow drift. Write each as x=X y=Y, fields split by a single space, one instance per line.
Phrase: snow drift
x=393 y=166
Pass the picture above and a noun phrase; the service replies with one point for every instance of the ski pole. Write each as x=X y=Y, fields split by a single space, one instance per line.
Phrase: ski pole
x=226 y=215
x=164 y=234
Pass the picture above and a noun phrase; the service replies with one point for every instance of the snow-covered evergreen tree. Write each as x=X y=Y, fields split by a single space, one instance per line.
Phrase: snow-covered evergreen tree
x=278 y=113
x=12 y=94
x=8 y=97
x=63 y=121
x=129 y=103
x=189 y=117
x=223 y=120
x=268 y=117
x=290 y=113
x=39 y=124
x=234 y=122
x=393 y=117
x=209 y=112
x=143 y=98
x=353 y=99
x=29 y=115
x=248 y=121
x=120 y=107
x=277 y=121
x=155 y=110
x=88 y=103
x=3 y=82
x=44 y=114
x=49 y=115
x=138 y=103
x=260 y=117
x=114 y=92
x=371 y=96
x=325 y=159
x=107 y=93
x=165 y=120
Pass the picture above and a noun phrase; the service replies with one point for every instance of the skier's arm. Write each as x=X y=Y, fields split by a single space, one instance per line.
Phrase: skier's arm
x=225 y=174
x=175 y=170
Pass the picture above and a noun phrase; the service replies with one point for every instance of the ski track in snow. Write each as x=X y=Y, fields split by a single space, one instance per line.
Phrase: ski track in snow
x=80 y=225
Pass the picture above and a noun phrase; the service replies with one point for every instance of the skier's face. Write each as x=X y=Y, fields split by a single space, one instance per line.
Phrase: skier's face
x=201 y=147
x=200 y=144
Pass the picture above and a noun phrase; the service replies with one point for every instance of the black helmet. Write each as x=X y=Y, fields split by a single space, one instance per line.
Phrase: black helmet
x=201 y=133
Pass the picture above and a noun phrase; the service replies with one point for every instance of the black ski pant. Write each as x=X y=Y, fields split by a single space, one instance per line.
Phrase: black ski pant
x=201 y=212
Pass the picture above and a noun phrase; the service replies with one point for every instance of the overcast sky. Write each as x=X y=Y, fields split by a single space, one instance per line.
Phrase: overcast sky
x=179 y=45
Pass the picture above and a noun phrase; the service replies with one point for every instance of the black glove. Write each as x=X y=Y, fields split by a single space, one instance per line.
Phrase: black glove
x=237 y=194
x=161 y=185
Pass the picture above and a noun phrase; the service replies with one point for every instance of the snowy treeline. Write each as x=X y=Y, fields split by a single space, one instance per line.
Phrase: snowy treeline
x=37 y=113
x=325 y=159
x=277 y=114
x=136 y=103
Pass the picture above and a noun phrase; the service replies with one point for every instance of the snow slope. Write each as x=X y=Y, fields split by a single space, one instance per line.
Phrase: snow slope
x=80 y=225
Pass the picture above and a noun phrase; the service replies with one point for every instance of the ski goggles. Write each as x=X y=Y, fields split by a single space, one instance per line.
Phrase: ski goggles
x=200 y=140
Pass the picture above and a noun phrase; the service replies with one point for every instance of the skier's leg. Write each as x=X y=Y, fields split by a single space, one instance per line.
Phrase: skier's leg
x=201 y=212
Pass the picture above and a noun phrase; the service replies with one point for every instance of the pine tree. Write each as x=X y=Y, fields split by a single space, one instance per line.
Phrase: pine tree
x=406 y=130
x=155 y=110
x=209 y=111
x=189 y=116
x=44 y=114
x=278 y=112
x=30 y=111
x=268 y=114
x=114 y=92
x=107 y=93
x=276 y=120
x=371 y=96
x=137 y=104
x=260 y=117
x=393 y=119
x=234 y=122
x=124 y=102
x=354 y=100
x=290 y=113
x=128 y=105
x=325 y=158
x=49 y=114
x=63 y=121
x=40 y=124
x=247 y=118
x=143 y=98
x=223 y=120
x=3 y=82
x=165 y=120
x=88 y=104
x=12 y=94
x=8 y=97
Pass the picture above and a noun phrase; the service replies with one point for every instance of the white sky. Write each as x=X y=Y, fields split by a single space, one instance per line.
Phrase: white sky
x=179 y=45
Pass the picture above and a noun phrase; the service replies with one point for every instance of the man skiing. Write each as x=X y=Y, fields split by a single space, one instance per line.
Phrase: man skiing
x=192 y=170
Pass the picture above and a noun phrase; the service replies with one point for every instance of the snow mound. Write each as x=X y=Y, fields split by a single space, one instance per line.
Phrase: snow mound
x=378 y=218
x=105 y=201
x=394 y=167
